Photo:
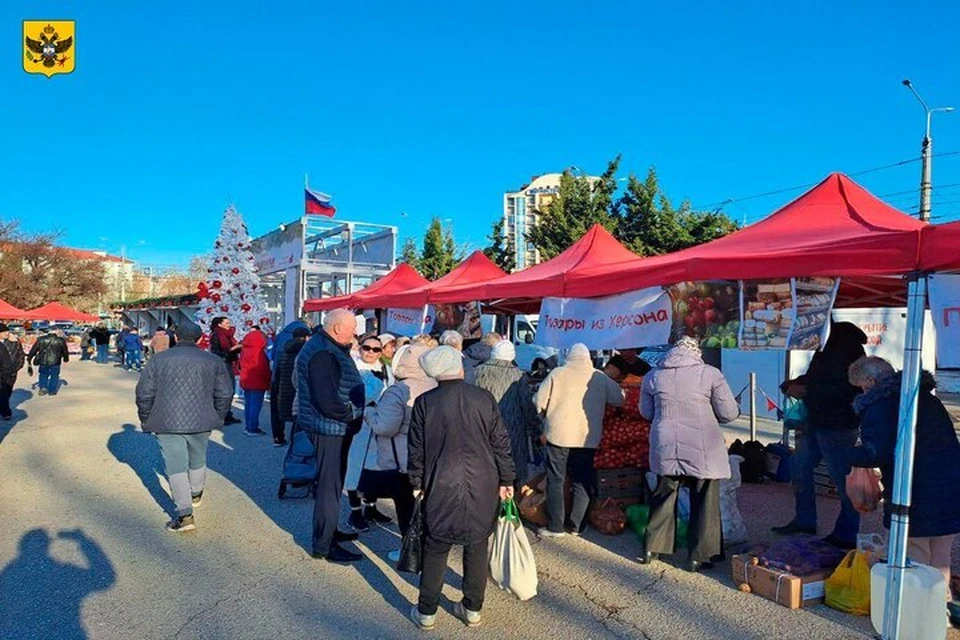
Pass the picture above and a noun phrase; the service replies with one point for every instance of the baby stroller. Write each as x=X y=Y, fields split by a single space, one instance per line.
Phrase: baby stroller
x=299 y=465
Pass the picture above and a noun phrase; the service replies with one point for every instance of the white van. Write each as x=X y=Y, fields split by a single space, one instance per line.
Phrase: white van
x=530 y=356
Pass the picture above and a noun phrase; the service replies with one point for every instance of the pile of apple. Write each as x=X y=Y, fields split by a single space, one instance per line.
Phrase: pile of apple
x=707 y=311
x=626 y=435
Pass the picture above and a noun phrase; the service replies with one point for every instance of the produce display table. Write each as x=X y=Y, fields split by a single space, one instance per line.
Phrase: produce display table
x=626 y=435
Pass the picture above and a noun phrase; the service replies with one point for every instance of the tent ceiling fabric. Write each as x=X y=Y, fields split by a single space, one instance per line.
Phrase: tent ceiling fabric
x=477 y=268
x=54 y=311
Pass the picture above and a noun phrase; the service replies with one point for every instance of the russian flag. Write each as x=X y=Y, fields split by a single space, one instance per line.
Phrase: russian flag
x=318 y=203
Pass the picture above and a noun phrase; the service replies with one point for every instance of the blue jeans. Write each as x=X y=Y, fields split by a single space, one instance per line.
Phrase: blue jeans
x=102 y=353
x=831 y=446
x=50 y=378
x=133 y=359
x=84 y=353
x=252 y=405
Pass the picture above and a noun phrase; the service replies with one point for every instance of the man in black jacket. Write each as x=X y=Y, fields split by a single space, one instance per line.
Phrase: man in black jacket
x=11 y=361
x=283 y=391
x=831 y=431
x=48 y=353
x=460 y=459
x=182 y=395
x=101 y=338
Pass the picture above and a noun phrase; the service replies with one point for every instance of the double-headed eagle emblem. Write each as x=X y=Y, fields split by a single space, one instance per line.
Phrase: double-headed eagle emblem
x=46 y=51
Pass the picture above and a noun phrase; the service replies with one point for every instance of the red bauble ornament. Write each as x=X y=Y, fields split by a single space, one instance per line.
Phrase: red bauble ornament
x=264 y=320
x=217 y=284
x=235 y=271
x=253 y=286
x=224 y=308
x=245 y=307
x=239 y=245
x=249 y=323
x=215 y=297
x=209 y=309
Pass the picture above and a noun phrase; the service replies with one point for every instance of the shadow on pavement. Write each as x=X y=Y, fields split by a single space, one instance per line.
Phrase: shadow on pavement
x=141 y=453
x=19 y=397
x=44 y=594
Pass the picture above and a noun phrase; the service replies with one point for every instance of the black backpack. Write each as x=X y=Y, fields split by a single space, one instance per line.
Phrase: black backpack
x=753 y=467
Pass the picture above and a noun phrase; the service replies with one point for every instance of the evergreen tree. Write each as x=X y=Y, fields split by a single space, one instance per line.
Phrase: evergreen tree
x=580 y=203
x=232 y=288
x=439 y=255
x=409 y=253
x=501 y=249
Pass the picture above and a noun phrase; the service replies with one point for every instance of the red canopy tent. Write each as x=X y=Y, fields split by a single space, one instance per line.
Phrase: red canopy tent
x=402 y=278
x=596 y=249
x=55 y=311
x=835 y=229
x=10 y=312
x=940 y=247
x=475 y=269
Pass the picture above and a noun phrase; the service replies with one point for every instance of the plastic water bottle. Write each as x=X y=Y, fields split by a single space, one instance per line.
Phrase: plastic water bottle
x=923 y=605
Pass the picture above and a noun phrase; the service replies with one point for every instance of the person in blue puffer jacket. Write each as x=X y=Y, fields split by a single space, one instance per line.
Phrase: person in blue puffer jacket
x=133 y=350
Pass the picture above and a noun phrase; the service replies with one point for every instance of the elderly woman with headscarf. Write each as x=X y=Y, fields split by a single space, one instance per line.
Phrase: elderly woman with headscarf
x=934 y=505
x=503 y=378
x=573 y=399
x=686 y=401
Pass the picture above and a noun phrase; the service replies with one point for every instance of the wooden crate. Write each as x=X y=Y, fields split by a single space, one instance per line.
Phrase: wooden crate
x=624 y=485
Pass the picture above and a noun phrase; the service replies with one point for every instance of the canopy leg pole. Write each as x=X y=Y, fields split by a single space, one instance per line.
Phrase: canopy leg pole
x=903 y=473
x=753 y=406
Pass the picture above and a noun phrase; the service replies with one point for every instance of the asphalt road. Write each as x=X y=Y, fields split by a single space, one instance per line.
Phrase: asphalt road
x=84 y=553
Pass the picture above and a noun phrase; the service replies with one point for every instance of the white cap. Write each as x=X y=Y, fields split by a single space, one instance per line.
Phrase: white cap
x=504 y=350
x=442 y=363
x=384 y=338
x=579 y=351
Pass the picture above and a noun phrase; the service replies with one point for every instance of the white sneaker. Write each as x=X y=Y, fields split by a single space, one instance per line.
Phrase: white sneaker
x=469 y=618
x=394 y=556
x=424 y=622
x=546 y=533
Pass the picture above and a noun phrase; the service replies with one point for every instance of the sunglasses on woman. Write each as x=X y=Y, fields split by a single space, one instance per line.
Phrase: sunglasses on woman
x=373 y=349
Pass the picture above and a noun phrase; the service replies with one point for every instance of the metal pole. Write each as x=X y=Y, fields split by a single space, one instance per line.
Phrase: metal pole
x=903 y=470
x=753 y=405
x=925 y=173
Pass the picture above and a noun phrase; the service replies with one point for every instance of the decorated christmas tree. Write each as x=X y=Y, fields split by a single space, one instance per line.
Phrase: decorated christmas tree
x=232 y=288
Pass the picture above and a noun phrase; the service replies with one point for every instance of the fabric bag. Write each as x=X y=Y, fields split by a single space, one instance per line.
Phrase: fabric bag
x=374 y=484
x=411 y=549
x=512 y=565
x=848 y=588
x=863 y=489
x=734 y=526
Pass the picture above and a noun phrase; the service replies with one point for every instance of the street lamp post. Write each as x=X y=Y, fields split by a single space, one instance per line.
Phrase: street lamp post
x=926 y=185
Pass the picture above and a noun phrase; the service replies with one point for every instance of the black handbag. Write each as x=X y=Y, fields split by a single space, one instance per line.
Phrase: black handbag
x=374 y=484
x=411 y=550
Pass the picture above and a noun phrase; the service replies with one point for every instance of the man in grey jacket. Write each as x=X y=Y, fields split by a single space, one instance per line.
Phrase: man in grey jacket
x=182 y=395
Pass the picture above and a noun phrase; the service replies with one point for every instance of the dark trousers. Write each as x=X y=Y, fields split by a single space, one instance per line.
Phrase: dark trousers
x=579 y=463
x=400 y=491
x=233 y=391
x=831 y=446
x=278 y=426
x=326 y=498
x=345 y=456
x=6 y=390
x=704 y=533
x=475 y=573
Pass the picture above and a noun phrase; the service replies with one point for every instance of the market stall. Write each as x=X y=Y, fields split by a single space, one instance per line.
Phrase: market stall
x=54 y=311
x=10 y=312
x=402 y=278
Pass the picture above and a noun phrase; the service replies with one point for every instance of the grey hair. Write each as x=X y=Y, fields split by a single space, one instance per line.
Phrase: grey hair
x=452 y=338
x=335 y=317
x=869 y=367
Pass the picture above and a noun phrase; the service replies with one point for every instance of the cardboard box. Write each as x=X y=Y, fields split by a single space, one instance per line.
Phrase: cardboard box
x=789 y=590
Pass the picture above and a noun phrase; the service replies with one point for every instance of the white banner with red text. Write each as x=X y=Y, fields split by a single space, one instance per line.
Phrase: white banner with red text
x=636 y=319
x=945 y=307
x=405 y=322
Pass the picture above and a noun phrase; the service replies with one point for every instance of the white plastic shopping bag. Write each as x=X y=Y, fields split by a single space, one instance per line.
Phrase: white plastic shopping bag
x=512 y=565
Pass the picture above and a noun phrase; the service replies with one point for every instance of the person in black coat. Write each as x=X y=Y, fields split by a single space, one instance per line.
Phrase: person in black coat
x=460 y=459
x=11 y=361
x=934 y=502
x=283 y=382
x=830 y=432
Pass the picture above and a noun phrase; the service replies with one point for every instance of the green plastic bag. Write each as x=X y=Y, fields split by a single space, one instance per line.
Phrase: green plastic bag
x=680 y=540
x=638 y=515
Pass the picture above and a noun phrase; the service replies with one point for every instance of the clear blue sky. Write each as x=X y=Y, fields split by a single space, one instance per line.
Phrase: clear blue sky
x=437 y=108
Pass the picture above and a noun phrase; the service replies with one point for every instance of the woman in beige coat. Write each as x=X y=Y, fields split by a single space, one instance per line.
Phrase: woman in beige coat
x=573 y=399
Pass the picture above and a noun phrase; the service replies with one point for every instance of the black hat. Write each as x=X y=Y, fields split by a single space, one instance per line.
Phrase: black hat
x=301 y=332
x=4 y=327
x=188 y=332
